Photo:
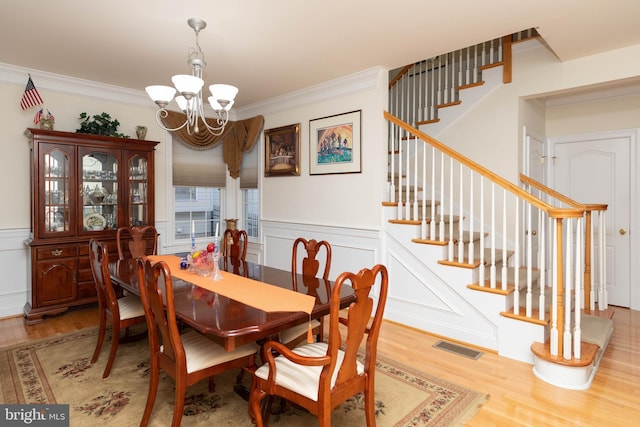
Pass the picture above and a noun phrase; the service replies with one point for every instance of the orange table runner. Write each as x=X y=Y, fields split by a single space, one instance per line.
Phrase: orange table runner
x=247 y=291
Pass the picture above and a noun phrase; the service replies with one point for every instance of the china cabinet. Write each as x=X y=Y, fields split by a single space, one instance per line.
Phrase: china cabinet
x=83 y=186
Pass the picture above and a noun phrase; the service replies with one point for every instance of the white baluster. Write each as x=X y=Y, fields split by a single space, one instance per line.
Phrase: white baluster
x=392 y=159
x=432 y=224
x=505 y=259
x=423 y=228
x=442 y=213
x=566 y=338
x=471 y=244
x=475 y=64
x=450 y=245
x=461 y=213
x=542 y=247
x=446 y=79
x=400 y=175
x=529 y=297
x=553 y=338
x=407 y=199
x=492 y=270
x=603 y=303
x=415 y=178
x=577 y=332
x=468 y=75
x=482 y=257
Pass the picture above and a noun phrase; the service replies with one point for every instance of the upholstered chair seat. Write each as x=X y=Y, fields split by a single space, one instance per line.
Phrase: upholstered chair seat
x=303 y=379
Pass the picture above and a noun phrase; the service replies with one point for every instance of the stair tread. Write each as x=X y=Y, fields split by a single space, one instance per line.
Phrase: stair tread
x=588 y=354
x=596 y=330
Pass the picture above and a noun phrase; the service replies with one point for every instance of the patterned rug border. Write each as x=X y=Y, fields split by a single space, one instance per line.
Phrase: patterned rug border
x=470 y=401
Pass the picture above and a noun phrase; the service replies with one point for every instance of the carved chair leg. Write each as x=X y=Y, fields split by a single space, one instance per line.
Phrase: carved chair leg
x=154 y=379
x=101 y=334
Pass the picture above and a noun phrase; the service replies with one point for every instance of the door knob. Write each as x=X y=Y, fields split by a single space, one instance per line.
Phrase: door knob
x=622 y=231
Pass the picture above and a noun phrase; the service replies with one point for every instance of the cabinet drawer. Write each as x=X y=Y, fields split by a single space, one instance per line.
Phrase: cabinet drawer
x=57 y=251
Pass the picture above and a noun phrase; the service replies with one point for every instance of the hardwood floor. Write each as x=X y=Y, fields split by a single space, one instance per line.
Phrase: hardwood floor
x=517 y=397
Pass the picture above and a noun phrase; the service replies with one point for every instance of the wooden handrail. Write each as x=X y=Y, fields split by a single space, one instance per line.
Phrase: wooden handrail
x=552 y=211
x=562 y=197
x=402 y=72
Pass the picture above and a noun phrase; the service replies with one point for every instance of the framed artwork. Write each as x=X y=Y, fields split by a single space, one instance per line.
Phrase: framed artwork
x=282 y=151
x=334 y=144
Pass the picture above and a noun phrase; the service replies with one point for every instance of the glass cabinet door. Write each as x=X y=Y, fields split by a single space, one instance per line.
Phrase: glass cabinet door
x=99 y=191
x=57 y=188
x=138 y=194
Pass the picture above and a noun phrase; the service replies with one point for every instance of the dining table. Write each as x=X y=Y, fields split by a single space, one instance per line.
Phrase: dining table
x=250 y=303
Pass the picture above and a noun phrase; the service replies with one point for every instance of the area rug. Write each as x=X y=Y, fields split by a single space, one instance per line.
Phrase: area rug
x=57 y=370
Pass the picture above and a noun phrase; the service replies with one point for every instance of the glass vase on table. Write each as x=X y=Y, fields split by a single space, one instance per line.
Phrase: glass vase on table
x=215 y=273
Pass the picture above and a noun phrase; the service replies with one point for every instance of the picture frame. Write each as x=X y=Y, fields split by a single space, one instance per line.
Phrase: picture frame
x=335 y=144
x=282 y=151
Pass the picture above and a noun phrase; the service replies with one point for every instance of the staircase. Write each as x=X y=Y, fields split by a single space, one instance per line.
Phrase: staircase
x=481 y=260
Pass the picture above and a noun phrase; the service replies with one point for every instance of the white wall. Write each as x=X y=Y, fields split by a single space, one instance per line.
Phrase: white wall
x=344 y=209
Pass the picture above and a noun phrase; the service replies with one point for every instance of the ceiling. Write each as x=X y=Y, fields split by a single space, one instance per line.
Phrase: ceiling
x=271 y=47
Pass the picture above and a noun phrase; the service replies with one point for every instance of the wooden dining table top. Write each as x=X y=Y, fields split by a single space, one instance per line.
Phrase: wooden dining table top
x=229 y=322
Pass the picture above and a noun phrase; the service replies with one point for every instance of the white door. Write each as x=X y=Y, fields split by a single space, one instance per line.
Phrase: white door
x=535 y=167
x=595 y=169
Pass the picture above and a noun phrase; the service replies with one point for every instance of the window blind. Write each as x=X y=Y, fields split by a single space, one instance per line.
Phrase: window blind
x=249 y=169
x=198 y=168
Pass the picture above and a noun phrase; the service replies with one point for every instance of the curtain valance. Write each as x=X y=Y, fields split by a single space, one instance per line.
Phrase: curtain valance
x=237 y=137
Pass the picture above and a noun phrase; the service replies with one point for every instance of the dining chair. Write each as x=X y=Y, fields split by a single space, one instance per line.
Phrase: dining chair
x=310 y=266
x=321 y=375
x=121 y=312
x=234 y=244
x=136 y=241
x=188 y=357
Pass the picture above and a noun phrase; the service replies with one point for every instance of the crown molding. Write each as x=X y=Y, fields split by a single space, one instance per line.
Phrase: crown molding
x=44 y=80
x=356 y=82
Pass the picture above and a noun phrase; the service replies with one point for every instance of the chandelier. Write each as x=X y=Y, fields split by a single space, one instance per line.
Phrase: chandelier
x=189 y=88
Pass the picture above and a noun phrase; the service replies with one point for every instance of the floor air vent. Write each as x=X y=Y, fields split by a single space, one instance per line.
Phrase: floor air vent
x=458 y=349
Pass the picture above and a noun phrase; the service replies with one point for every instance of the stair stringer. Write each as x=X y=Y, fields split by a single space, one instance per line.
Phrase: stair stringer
x=469 y=97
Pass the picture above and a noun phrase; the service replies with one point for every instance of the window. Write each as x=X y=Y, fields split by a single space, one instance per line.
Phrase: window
x=250 y=193
x=250 y=197
x=198 y=208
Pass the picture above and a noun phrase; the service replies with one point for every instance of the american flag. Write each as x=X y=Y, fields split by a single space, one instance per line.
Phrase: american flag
x=31 y=97
x=38 y=116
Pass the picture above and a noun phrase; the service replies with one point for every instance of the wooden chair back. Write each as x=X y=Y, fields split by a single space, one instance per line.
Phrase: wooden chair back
x=137 y=241
x=359 y=323
x=99 y=262
x=311 y=265
x=234 y=244
x=159 y=309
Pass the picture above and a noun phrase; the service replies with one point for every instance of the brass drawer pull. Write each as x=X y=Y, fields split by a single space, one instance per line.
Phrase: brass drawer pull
x=56 y=252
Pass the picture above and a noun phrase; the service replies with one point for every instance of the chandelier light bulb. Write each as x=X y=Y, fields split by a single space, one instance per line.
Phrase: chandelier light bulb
x=161 y=95
x=187 y=85
x=189 y=89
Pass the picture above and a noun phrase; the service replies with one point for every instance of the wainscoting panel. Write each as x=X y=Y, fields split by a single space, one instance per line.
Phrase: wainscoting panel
x=352 y=249
x=13 y=264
